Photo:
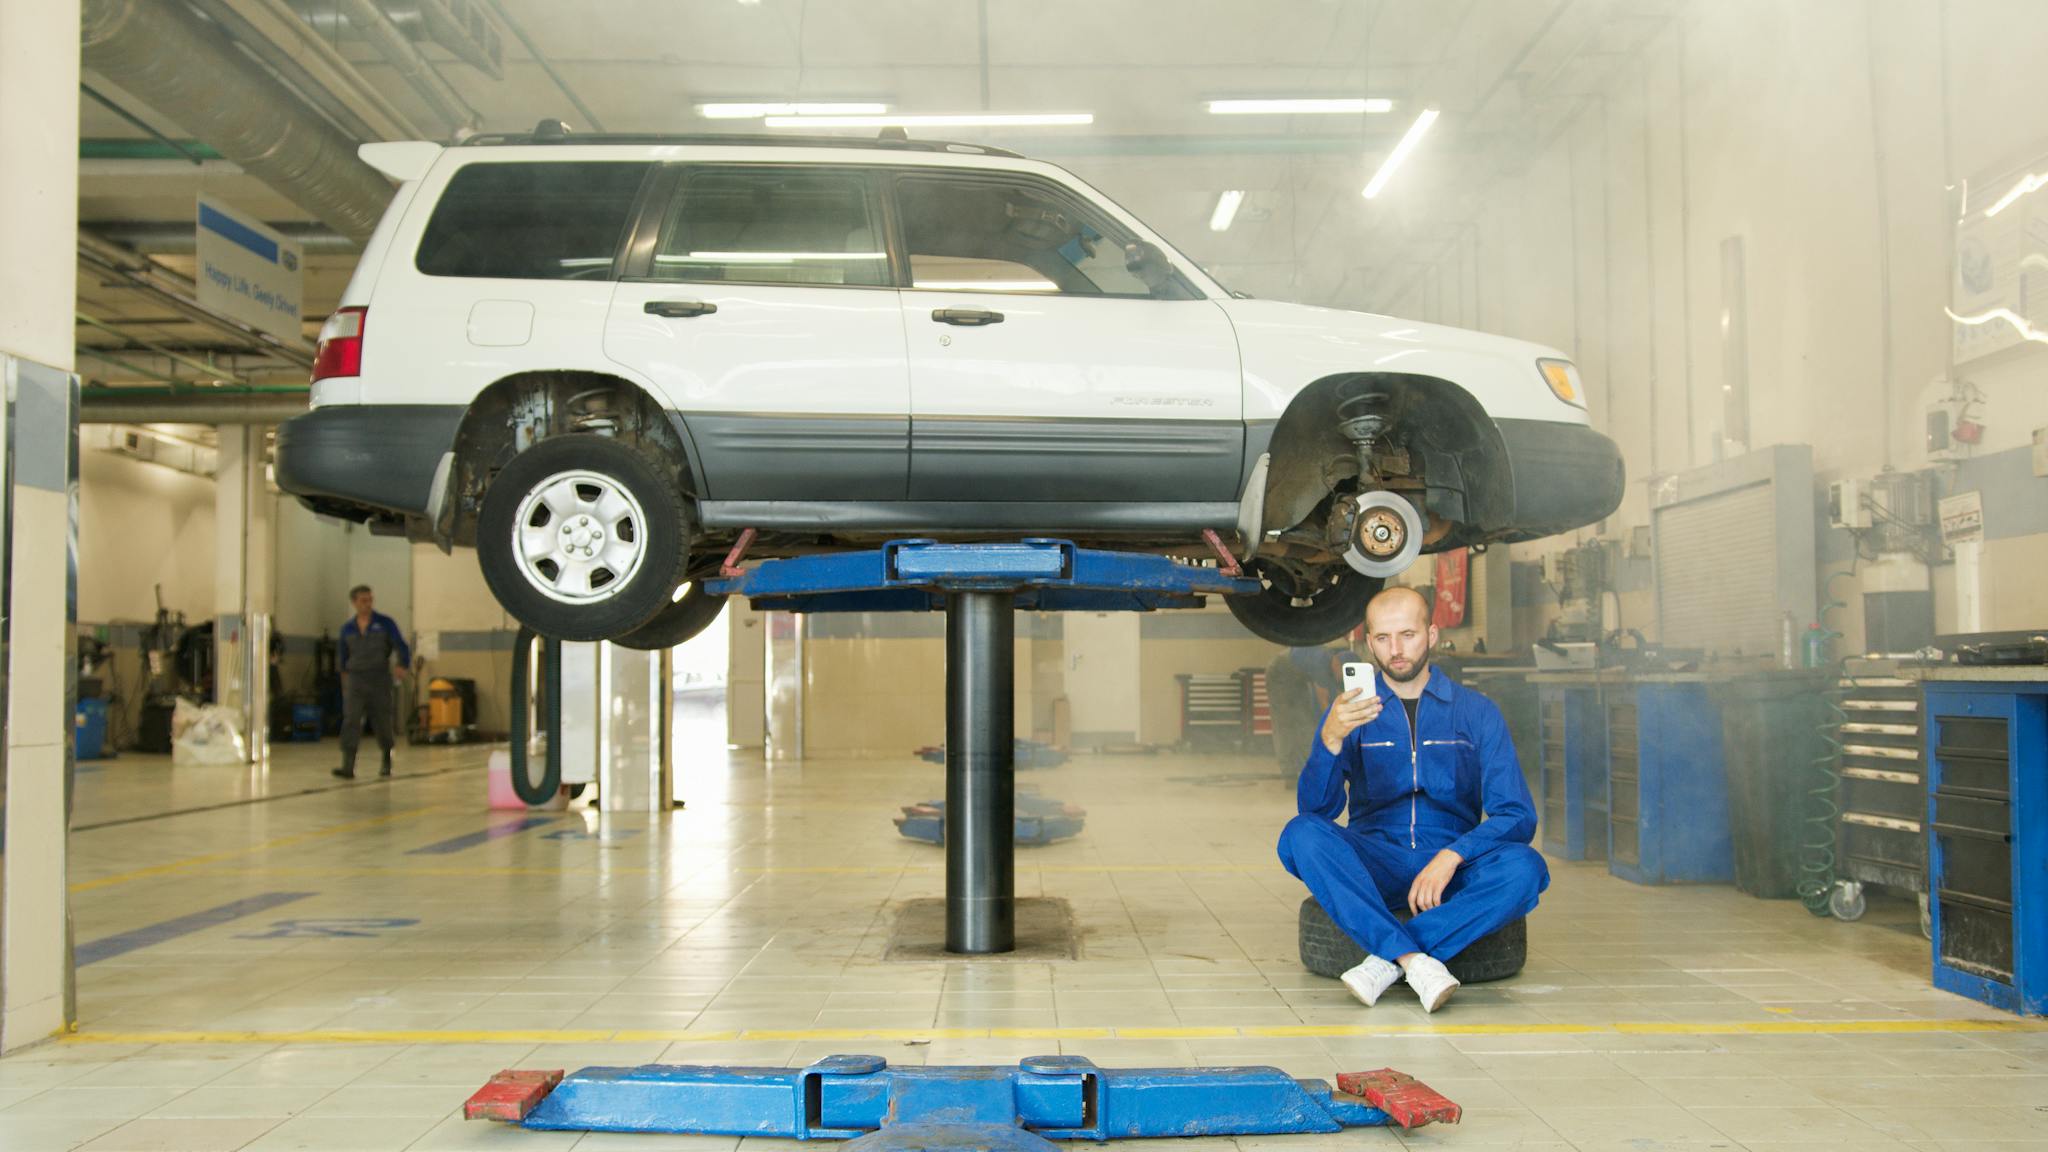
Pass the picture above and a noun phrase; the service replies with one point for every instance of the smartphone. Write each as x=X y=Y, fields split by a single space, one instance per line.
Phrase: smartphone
x=1358 y=676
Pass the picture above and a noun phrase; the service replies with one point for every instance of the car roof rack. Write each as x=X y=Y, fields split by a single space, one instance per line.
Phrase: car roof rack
x=891 y=139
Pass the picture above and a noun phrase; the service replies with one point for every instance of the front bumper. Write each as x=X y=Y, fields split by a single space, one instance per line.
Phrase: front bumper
x=365 y=459
x=1561 y=476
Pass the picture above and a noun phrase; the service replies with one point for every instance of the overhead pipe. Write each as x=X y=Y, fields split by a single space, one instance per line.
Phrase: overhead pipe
x=185 y=406
x=205 y=370
x=590 y=119
x=370 y=21
x=167 y=58
x=178 y=239
x=304 y=58
x=153 y=281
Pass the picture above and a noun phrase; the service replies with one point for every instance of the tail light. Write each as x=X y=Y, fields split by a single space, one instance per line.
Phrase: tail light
x=340 y=352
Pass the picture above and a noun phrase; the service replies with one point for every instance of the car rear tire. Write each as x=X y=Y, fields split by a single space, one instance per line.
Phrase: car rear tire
x=582 y=537
x=681 y=621
x=1336 y=607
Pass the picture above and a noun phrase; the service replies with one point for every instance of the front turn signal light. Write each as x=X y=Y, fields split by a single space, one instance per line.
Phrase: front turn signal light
x=1563 y=378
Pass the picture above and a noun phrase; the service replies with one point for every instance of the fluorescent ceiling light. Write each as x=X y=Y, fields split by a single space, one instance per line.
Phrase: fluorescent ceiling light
x=1409 y=140
x=756 y=111
x=1226 y=210
x=962 y=120
x=1298 y=107
x=986 y=285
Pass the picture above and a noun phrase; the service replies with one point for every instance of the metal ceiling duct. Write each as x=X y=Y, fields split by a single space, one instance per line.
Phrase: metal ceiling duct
x=166 y=57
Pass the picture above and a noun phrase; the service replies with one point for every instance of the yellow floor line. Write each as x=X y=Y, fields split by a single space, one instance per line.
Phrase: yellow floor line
x=1246 y=1032
x=282 y=842
x=622 y=870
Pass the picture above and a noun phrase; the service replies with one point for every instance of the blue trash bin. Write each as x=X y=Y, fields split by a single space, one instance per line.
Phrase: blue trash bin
x=89 y=730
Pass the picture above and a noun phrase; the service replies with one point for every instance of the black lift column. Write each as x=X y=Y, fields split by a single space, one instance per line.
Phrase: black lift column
x=981 y=888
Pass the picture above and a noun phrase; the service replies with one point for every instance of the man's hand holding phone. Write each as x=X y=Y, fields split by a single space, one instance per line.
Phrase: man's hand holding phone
x=1355 y=707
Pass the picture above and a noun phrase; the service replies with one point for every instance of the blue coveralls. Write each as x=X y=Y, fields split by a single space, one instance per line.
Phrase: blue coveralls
x=1458 y=786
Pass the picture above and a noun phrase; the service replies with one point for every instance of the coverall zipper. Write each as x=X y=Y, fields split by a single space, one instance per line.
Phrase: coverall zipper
x=1414 y=768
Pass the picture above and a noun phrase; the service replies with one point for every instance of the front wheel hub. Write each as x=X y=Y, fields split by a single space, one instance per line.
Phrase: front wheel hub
x=1385 y=535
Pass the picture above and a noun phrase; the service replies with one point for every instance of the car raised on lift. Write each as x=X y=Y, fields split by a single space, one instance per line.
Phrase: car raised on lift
x=599 y=359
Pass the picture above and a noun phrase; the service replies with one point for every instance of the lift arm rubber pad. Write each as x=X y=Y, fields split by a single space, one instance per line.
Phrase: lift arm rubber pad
x=511 y=1095
x=1407 y=1101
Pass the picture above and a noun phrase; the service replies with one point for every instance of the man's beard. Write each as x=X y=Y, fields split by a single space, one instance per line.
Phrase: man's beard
x=1416 y=669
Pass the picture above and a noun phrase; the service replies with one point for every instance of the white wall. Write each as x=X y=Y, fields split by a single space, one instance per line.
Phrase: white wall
x=1815 y=131
x=448 y=595
x=141 y=525
x=312 y=570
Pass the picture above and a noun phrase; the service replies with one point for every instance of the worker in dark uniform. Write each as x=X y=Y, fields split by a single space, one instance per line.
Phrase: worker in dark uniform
x=369 y=643
x=1301 y=683
x=1439 y=817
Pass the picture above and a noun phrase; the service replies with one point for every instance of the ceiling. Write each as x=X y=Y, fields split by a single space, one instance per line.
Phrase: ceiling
x=1506 y=75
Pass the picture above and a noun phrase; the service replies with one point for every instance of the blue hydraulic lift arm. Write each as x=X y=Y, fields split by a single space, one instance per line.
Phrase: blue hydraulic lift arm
x=916 y=575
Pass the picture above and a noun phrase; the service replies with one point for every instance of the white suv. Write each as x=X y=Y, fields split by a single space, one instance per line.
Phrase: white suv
x=598 y=360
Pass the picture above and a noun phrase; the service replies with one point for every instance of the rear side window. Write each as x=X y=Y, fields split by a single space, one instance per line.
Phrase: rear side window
x=972 y=233
x=773 y=225
x=553 y=221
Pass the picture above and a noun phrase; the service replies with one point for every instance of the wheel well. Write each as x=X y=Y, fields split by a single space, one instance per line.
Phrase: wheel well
x=1452 y=449
x=521 y=410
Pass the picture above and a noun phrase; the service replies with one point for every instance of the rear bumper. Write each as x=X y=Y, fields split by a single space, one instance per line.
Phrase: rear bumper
x=361 y=460
x=1562 y=476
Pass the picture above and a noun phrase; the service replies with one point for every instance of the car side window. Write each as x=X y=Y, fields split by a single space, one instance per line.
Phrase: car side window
x=980 y=234
x=773 y=225
x=547 y=221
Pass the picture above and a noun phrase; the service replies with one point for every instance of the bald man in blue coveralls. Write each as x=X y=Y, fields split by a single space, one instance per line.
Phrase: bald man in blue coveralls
x=1439 y=818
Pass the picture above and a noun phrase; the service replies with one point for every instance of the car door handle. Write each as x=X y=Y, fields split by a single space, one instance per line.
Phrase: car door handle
x=967 y=317
x=679 y=309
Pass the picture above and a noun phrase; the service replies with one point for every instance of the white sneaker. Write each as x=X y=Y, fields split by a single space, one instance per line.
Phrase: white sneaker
x=1370 y=980
x=1433 y=983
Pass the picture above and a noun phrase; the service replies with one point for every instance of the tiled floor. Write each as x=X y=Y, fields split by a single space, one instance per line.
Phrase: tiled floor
x=377 y=985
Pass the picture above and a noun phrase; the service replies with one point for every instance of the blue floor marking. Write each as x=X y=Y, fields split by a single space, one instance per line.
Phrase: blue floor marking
x=122 y=943
x=472 y=839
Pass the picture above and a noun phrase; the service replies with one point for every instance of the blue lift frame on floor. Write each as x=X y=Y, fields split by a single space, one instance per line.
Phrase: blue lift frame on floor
x=979 y=586
x=865 y=1100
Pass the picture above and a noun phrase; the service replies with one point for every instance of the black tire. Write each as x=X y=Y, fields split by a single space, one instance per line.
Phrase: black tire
x=1337 y=607
x=536 y=792
x=681 y=621
x=1327 y=951
x=642 y=593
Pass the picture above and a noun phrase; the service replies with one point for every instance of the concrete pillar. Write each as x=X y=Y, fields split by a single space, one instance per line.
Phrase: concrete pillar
x=785 y=676
x=635 y=721
x=38 y=290
x=1102 y=678
x=585 y=685
x=746 y=677
x=243 y=599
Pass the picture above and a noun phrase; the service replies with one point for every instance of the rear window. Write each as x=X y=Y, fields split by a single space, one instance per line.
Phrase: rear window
x=773 y=225
x=554 y=221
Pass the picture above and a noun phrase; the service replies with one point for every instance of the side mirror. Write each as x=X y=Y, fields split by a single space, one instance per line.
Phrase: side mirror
x=1145 y=261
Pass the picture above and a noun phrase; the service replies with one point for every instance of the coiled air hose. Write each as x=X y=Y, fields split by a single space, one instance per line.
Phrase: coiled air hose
x=550 y=710
x=1817 y=841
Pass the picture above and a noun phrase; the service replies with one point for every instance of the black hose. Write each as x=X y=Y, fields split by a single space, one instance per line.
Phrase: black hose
x=550 y=716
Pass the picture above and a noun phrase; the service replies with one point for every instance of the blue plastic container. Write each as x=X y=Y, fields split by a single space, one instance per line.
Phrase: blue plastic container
x=89 y=730
x=306 y=723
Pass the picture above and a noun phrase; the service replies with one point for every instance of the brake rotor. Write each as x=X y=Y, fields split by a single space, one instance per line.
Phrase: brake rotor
x=1385 y=536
